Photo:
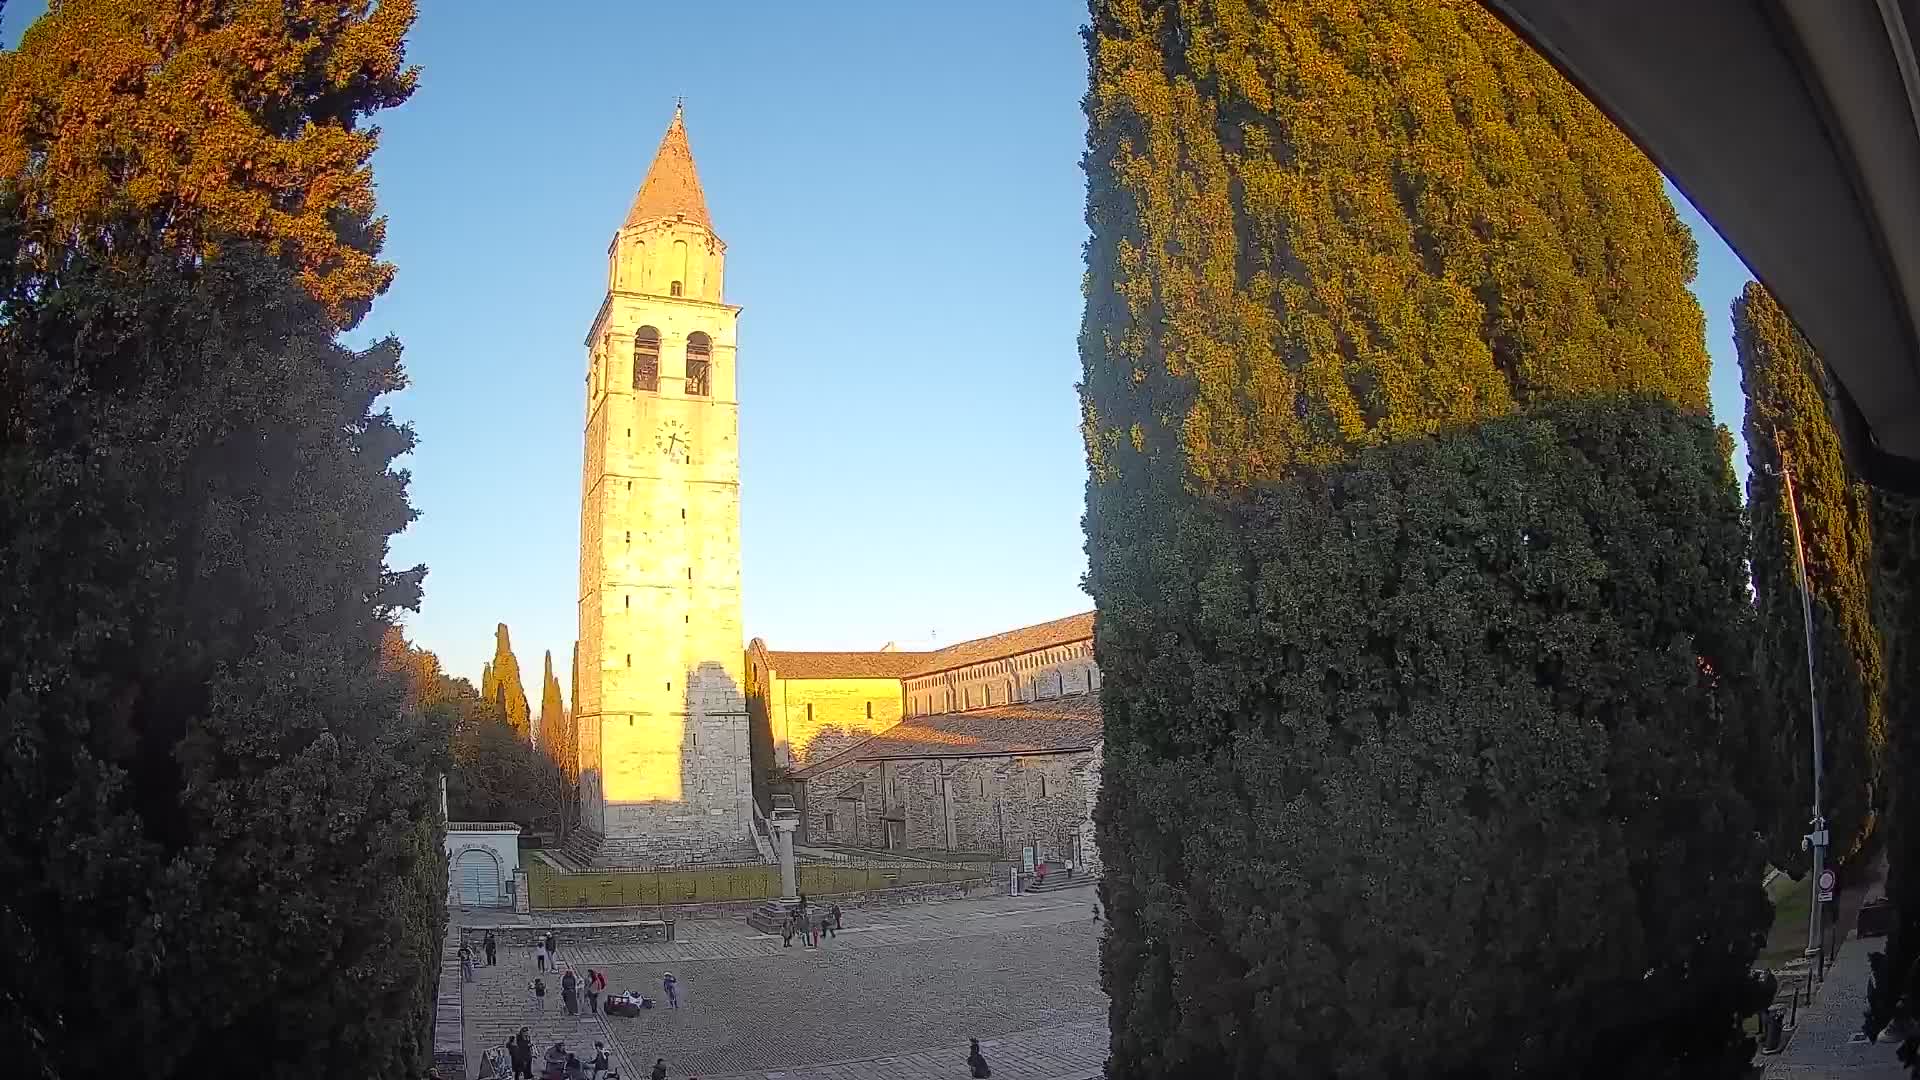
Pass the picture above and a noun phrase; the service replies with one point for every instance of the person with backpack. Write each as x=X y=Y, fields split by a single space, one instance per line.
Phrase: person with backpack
x=596 y=983
x=539 y=988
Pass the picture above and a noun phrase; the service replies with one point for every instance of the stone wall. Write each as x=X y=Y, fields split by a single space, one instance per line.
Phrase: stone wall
x=813 y=718
x=1034 y=676
x=998 y=804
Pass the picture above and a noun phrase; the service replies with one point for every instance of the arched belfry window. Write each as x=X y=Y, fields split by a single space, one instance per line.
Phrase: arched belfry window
x=646 y=359
x=699 y=365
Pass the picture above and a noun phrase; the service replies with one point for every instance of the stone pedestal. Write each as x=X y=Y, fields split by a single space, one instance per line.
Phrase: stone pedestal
x=771 y=916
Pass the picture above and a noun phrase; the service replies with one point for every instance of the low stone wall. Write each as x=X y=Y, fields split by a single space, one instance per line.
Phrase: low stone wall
x=449 y=1031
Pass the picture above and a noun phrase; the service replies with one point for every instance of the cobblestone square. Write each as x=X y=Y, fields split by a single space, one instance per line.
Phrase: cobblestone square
x=898 y=994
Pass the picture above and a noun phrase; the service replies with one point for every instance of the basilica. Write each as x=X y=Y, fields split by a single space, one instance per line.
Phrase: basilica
x=987 y=748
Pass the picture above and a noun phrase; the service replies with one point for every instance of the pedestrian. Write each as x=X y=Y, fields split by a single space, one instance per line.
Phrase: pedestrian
x=594 y=985
x=826 y=926
x=553 y=949
x=1096 y=909
x=835 y=912
x=659 y=1069
x=574 y=1071
x=600 y=1061
x=976 y=1061
x=671 y=987
x=540 y=956
x=466 y=963
x=520 y=1051
x=787 y=930
x=489 y=947
x=539 y=988
x=570 y=993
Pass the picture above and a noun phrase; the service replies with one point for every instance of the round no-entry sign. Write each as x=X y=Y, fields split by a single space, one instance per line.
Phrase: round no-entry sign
x=1826 y=885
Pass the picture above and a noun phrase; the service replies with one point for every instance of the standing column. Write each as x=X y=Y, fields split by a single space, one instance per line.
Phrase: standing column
x=783 y=843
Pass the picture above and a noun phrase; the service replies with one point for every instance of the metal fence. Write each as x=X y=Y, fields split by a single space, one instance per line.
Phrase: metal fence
x=548 y=887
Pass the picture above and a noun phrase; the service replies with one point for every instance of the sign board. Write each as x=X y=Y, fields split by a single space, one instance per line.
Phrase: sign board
x=1826 y=886
x=1026 y=857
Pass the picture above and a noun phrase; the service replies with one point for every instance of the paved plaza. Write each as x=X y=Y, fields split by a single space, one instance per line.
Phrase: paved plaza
x=896 y=994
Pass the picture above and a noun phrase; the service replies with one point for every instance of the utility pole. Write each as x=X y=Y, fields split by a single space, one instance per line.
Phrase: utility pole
x=1816 y=840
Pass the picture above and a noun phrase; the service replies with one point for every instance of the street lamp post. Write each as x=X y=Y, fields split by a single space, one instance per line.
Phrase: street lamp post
x=1816 y=840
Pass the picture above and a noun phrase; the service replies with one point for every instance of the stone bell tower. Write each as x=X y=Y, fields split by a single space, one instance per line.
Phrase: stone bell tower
x=662 y=717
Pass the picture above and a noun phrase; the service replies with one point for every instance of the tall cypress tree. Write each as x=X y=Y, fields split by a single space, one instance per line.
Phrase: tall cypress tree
x=552 y=733
x=1787 y=416
x=1418 y=560
x=502 y=684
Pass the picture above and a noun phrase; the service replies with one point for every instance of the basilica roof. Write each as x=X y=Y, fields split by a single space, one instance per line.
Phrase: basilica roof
x=672 y=187
x=1052 y=725
x=892 y=664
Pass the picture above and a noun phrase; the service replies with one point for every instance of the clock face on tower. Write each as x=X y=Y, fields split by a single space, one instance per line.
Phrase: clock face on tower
x=672 y=442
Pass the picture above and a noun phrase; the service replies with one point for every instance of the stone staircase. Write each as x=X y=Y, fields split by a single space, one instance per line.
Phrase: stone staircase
x=1058 y=878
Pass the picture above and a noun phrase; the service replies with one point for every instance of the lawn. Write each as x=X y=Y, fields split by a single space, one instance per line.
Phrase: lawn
x=1792 y=906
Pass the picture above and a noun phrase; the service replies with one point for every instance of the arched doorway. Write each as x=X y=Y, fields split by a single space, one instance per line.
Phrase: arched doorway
x=476 y=875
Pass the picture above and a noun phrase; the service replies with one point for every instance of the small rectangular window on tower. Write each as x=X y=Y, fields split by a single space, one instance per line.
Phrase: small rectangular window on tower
x=629 y=659
x=869 y=710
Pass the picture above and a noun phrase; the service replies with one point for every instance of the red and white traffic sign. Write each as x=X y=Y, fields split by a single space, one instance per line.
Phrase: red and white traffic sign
x=1826 y=886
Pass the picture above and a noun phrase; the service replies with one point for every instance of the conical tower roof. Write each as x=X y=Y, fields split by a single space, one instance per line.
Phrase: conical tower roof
x=672 y=187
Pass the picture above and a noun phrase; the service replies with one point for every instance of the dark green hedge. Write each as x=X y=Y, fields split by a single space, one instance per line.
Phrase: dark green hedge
x=1430 y=764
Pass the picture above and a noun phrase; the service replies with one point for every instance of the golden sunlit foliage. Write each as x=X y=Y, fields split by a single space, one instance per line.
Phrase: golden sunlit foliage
x=178 y=124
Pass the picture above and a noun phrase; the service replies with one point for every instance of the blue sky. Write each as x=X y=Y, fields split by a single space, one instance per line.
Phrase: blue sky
x=901 y=197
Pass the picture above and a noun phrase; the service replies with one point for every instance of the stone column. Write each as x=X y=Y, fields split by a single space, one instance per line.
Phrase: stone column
x=783 y=846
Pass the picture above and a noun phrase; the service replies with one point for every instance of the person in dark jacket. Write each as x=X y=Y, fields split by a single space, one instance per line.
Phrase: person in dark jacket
x=489 y=944
x=659 y=1069
x=570 y=993
x=976 y=1061
x=835 y=912
x=520 y=1052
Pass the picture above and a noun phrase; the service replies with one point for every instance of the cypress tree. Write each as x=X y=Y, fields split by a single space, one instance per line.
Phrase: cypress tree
x=1418 y=560
x=1894 y=992
x=220 y=839
x=552 y=716
x=176 y=127
x=501 y=684
x=1787 y=411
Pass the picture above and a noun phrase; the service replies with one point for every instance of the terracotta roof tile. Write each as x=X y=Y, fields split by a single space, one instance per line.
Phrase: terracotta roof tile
x=842 y=665
x=672 y=187
x=1051 y=725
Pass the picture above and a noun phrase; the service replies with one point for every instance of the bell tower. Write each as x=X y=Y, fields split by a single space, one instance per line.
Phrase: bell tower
x=662 y=718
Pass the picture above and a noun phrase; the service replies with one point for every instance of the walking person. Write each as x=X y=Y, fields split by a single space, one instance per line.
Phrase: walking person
x=600 y=1062
x=977 y=1062
x=489 y=945
x=826 y=926
x=659 y=1069
x=520 y=1052
x=835 y=912
x=671 y=987
x=466 y=963
x=787 y=930
x=540 y=956
x=553 y=949
x=595 y=983
x=570 y=993
x=539 y=988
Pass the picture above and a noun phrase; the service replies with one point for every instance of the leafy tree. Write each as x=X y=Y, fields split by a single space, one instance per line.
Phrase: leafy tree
x=185 y=125
x=1787 y=411
x=1419 y=564
x=219 y=836
x=495 y=774
x=501 y=684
